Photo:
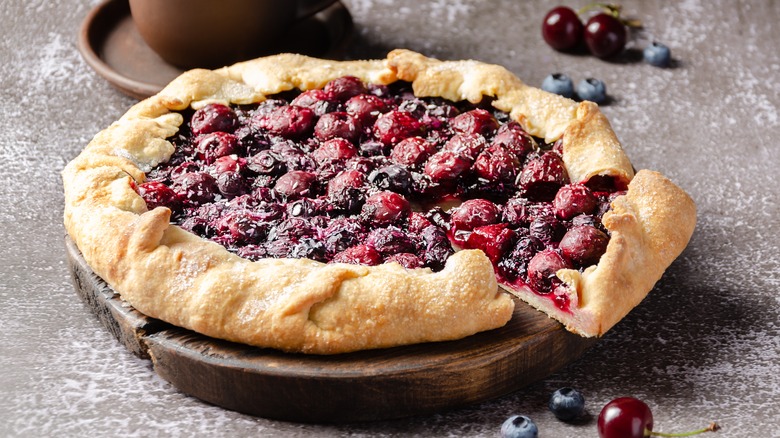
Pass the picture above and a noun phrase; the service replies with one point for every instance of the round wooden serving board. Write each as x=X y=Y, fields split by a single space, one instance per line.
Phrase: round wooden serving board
x=363 y=386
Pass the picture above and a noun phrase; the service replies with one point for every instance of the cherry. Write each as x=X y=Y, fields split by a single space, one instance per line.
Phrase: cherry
x=384 y=208
x=437 y=216
x=288 y=121
x=289 y=152
x=418 y=222
x=345 y=180
x=562 y=29
x=513 y=137
x=605 y=35
x=305 y=207
x=584 y=245
x=157 y=194
x=446 y=166
x=252 y=252
x=243 y=225
x=467 y=145
x=547 y=228
x=372 y=148
x=542 y=270
x=213 y=118
x=196 y=187
x=266 y=163
x=279 y=248
x=216 y=144
x=337 y=124
x=629 y=417
x=497 y=164
x=362 y=164
x=231 y=184
x=389 y=241
x=574 y=199
x=474 y=213
x=412 y=151
x=345 y=87
x=229 y=163
x=335 y=149
x=365 y=107
x=542 y=176
x=296 y=184
x=358 y=255
x=267 y=106
x=317 y=100
x=521 y=212
x=412 y=105
x=329 y=174
x=394 y=126
x=202 y=219
x=477 y=121
x=494 y=240
x=405 y=259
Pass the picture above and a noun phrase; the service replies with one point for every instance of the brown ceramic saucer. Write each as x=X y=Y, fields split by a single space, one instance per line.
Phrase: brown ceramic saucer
x=112 y=46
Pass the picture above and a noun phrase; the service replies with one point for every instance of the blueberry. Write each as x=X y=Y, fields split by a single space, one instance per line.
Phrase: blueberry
x=657 y=54
x=393 y=177
x=519 y=426
x=567 y=404
x=591 y=89
x=559 y=83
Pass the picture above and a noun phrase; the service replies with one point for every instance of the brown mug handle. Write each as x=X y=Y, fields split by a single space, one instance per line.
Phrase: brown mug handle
x=307 y=8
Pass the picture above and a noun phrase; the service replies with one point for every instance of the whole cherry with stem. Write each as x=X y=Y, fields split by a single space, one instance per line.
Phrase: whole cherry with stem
x=562 y=29
x=605 y=33
x=629 y=417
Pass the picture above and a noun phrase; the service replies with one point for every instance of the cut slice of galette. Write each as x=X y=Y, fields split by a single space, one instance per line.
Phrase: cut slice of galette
x=319 y=206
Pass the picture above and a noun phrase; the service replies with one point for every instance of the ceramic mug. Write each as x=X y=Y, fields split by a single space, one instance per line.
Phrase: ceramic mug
x=214 y=33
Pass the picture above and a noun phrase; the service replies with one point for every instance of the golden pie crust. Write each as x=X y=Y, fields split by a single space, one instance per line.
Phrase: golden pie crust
x=300 y=305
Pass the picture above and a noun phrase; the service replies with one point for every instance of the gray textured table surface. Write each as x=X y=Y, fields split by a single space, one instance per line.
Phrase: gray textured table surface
x=705 y=344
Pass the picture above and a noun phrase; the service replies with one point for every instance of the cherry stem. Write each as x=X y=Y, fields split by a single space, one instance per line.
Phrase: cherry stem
x=613 y=10
x=609 y=8
x=711 y=428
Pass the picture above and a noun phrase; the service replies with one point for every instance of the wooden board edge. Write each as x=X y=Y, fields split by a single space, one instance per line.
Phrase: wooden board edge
x=313 y=389
x=127 y=325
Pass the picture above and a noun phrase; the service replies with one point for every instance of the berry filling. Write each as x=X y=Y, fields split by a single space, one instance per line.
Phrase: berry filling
x=358 y=173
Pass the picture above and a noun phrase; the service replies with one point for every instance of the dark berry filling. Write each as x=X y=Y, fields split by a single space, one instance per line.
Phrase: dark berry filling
x=358 y=173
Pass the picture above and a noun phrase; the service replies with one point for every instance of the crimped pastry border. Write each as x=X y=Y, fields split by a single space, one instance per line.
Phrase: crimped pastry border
x=305 y=306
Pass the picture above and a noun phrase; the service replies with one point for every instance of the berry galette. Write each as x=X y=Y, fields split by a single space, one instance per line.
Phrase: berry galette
x=325 y=207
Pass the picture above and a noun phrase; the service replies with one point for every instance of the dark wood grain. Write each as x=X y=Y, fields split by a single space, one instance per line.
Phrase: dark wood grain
x=128 y=325
x=361 y=386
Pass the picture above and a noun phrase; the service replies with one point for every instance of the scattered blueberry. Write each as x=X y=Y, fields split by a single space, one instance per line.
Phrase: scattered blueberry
x=567 y=404
x=559 y=83
x=592 y=89
x=657 y=54
x=519 y=426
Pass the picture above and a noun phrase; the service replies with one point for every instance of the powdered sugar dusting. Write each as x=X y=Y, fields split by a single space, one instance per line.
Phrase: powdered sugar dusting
x=445 y=12
x=101 y=367
x=451 y=10
x=703 y=346
x=55 y=65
